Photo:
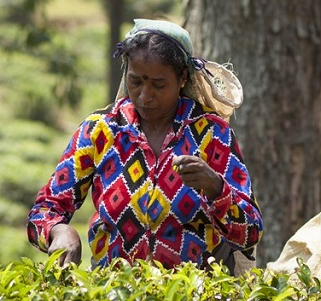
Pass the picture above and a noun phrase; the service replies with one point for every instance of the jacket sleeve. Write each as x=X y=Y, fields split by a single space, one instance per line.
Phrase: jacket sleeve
x=235 y=213
x=66 y=190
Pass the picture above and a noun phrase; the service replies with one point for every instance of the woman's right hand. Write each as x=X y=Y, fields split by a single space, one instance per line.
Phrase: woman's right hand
x=65 y=237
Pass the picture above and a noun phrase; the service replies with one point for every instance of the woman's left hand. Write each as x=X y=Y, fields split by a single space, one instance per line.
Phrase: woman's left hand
x=196 y=173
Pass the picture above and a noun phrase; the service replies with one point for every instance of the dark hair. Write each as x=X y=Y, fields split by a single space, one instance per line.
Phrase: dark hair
x=157 y=45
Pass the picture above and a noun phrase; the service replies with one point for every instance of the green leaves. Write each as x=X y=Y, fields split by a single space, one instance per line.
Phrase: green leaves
x=26 y=280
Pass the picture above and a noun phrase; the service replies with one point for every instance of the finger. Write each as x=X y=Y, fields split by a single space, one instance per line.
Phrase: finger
x=191 y=177
x=175 y=163
x=177 y=160
x=74 y=257
x=189 y=164
x=66 y=260
x=195 y=168
x=62 y=259
x=53 y=249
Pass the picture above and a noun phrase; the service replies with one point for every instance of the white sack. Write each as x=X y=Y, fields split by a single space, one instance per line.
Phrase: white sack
x=305 y=244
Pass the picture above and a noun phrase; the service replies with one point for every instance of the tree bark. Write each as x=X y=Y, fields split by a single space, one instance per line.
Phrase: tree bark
x=275 y=49
x=114 y=13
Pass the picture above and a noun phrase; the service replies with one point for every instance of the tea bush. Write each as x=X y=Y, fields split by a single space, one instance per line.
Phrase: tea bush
x=27 y=280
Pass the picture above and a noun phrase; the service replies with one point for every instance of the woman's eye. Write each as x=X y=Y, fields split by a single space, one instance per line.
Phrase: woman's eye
x=159 y=86
x=135 y=82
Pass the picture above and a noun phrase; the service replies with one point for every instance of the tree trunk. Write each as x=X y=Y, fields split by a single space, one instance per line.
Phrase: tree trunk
x=114 y=12
x=275 y=49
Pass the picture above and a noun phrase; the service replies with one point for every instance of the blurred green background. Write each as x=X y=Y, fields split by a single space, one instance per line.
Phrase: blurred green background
x=53 y=73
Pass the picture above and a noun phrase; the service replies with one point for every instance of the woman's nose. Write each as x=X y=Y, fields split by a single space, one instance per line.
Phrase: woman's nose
x=146 y=94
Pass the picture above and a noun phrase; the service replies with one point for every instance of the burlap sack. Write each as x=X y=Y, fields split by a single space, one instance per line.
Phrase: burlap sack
x=306 y=244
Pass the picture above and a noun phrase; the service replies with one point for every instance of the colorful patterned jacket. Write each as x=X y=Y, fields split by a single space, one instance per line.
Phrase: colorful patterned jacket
x=143 y=207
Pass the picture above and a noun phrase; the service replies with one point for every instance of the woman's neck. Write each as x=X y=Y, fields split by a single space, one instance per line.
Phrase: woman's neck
x=156 y=134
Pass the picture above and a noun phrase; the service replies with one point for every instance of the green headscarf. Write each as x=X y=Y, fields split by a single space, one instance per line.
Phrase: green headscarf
x=176 y=33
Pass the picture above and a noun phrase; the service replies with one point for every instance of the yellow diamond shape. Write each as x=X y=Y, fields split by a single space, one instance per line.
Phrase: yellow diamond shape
x=84 y=189
x=103 y=132
x=143 y=190
x=235 y=211
x=152 y=196
x=200 y=125
x=206 y=140
x=79 y=170
x=157 y=196
x=136 y=171
x=211 y=232
x=100 y=237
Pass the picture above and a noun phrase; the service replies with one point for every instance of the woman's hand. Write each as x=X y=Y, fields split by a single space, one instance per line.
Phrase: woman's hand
x=196 y=173
x=65 y=237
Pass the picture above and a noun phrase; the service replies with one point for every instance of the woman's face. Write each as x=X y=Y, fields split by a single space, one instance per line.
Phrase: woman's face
x=153 y=87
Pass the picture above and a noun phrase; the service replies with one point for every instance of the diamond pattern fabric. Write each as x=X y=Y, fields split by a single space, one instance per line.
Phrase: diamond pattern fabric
x=143 y=207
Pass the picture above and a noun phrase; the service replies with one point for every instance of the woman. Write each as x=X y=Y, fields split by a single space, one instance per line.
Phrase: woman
x=167 y=175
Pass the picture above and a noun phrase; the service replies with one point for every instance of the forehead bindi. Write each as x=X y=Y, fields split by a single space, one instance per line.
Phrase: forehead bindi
x=147 y=69
x=135 y=76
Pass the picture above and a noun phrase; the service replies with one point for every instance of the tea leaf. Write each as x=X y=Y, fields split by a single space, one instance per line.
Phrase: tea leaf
x=52 y=260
